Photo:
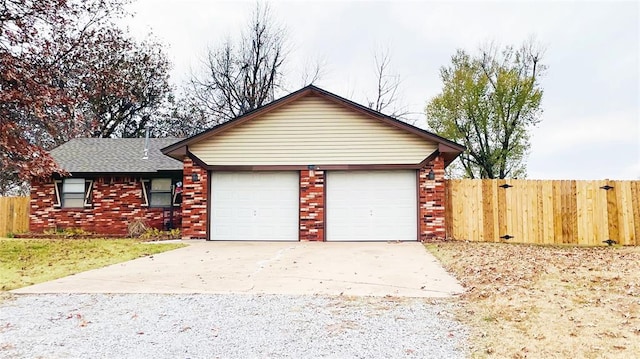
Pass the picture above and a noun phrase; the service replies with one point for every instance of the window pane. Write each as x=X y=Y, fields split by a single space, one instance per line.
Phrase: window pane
x=73 y=185
x=161 y=184
x=72 y=202
x=161 y=199
x=73 y=195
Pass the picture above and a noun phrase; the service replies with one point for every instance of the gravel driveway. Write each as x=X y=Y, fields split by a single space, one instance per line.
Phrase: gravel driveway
x=226 y=326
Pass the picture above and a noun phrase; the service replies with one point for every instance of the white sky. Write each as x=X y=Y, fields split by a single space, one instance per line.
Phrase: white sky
x=590 y=125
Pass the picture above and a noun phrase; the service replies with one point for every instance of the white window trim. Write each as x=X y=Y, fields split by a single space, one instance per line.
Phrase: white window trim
x=88 y=187
x=144 y=183
x=57 y=184
x=145 y=195
x=87 y=194
x=174 y=197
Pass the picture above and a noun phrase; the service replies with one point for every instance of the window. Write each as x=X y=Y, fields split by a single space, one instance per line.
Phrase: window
x=160 y=192
x=72 y=193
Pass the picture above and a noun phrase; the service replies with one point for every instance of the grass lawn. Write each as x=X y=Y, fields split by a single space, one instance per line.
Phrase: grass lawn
x=547 y=302
x=28 y=261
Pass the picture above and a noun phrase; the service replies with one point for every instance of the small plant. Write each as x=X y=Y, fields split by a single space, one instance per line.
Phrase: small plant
x=155 y=234
x=66 y=232
x=151 y=234
x=74 y=232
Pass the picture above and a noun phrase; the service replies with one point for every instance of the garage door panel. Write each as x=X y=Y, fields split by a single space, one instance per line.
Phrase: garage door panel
x=254 y=206
x=371 y=206
x=223 y=213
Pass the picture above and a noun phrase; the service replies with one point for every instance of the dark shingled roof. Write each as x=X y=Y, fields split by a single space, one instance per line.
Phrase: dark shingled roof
x=114 y=155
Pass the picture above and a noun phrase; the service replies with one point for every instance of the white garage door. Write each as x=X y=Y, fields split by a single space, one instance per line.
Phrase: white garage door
x=371 y=205
x=254 y=206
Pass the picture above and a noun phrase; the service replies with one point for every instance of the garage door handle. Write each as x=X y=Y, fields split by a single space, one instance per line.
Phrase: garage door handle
x=371 y=212
x=254 y=212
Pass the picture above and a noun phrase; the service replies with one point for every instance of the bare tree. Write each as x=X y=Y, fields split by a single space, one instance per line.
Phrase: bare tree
x=241 y=77
x=387 y=88
x=312 y=72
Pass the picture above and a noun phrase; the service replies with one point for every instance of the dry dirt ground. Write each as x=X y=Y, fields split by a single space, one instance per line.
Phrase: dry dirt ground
x=525 y=301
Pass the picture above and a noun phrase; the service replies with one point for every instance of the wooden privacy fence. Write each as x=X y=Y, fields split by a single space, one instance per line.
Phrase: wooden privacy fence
x=544 y=212
x=14 y=215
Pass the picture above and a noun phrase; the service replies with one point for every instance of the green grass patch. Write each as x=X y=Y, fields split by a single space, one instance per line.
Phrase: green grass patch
x=25 y=262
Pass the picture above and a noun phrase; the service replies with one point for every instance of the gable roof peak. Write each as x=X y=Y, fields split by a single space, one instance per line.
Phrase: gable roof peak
x=179 y=149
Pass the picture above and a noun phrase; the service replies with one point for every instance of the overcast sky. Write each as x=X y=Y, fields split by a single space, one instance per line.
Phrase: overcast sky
x=590 y=125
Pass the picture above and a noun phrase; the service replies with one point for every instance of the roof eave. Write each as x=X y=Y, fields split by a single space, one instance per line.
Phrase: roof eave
x=123 y=173
x=177 y=153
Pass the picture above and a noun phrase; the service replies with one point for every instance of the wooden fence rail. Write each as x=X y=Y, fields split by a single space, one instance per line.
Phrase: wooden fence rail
x=14 y=215
x=544 y=212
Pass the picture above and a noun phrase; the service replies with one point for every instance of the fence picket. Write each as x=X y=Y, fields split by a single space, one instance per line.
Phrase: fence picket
x=635 y=205
x=14 y=215
x=544 y=212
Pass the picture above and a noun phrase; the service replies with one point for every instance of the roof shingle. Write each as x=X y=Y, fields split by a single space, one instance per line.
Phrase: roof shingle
x=114 y=155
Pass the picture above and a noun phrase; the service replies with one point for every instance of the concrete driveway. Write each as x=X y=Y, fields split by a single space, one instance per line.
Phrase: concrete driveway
x=295 y=268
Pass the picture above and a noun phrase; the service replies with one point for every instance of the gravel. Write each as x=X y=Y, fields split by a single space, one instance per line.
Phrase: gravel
x=226 y=326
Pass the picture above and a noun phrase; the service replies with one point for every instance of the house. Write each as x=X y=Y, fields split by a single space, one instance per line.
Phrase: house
x=111 y=183
x=309 y=166
x=314 y=166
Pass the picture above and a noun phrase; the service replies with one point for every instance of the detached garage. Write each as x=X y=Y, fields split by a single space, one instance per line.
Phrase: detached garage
x=314 y=166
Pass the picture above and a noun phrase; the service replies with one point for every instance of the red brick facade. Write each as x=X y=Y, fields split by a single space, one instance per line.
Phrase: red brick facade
x=116 y=202
x=194 y=201
x=431 y=211
x=312 y=205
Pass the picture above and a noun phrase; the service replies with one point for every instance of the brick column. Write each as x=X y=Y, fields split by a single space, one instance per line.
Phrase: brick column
x=311 y=205
x=432 y=206
x=194 y=201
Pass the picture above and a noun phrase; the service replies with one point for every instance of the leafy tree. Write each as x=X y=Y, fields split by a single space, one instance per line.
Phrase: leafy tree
x=116 y=87
x=127 y=88
x=239 y=77
x=488 y=103
x=69 y=71
x=32 y=95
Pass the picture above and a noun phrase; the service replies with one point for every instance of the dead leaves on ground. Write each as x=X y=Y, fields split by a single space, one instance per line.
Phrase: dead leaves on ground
x=533 y=301
x=82 y=322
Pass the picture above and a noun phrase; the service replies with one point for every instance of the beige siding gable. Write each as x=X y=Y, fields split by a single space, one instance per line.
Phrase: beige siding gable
x=313 y=130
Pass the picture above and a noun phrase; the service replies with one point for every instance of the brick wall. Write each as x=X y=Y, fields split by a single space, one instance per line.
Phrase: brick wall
x=116 y=203
x=431 y=206
x=194 y=201
x=312 y=205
